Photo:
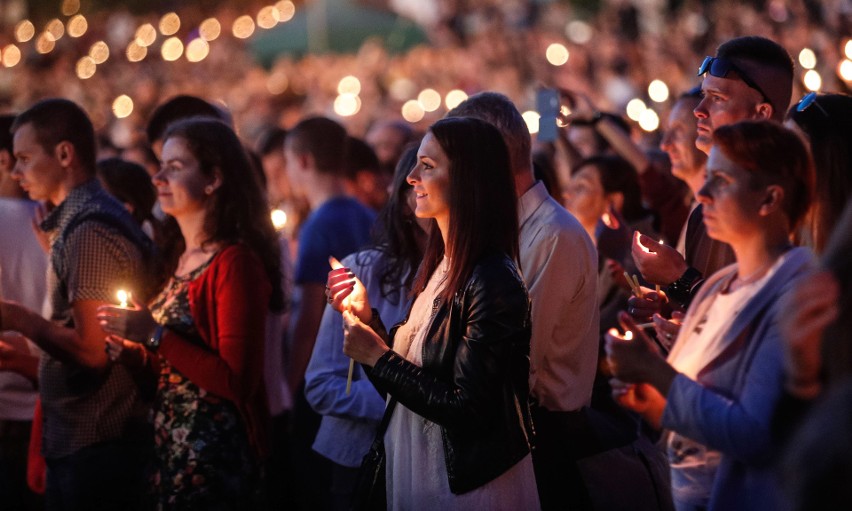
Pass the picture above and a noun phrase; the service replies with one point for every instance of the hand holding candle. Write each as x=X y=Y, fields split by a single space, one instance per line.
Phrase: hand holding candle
x=632 y=357
x=132 y=321
x=339 y=291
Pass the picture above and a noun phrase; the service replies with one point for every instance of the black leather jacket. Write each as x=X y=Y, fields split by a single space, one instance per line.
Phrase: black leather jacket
x=474 y=379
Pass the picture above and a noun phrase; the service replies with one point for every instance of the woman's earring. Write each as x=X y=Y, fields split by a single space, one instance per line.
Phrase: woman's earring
x=208 y=189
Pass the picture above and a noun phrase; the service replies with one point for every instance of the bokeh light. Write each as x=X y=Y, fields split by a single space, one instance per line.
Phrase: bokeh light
x=649 y=120
x=847 y=49
x=146 y=35
x=210 y=29
x=122 y=106
x=579 y=32
x=45 y=43
x=243 y=27
x=531 y=118
x=557 y=54
x=99 y=52
x=86 y=68
x=70 y=7
x=813 y=81
x=286 y=10
x=807 y=58
x=197 y=50
x=635 y=107
x=454 y=98
x=658 y=91
x=135 y=52
x=11 y=55
x=412 y=111
x=24 y=31
x=77 y=26
x=279 y=219
x=169 y=23
x=349 y=85
x=429 y=99
x=172 y=49
x=55 y=28
x=277 y=83
x=844 y=70
x=268 y=17
x=347 y=104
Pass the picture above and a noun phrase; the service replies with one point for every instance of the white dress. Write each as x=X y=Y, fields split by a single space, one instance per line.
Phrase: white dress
x=416 y=468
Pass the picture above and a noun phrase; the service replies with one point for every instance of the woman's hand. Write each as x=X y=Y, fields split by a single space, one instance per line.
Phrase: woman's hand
x=135 y=324
x=122 y=351
x=668 y=329
x=644 y=307
x=360 y=342
x=640 y=398
x=637 y=360
x=659 y=264
x=806 y=311
x=344 y=291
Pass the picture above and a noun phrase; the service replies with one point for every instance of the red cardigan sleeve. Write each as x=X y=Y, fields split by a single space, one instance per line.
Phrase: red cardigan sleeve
x=229 y=303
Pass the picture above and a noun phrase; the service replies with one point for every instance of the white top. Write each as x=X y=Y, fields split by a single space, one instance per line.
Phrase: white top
x=416 y=466
x=23 y=269
x=693 y=465
x=559 y=265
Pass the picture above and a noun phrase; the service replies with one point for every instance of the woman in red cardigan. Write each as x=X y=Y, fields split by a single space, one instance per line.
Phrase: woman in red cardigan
x=203 y=334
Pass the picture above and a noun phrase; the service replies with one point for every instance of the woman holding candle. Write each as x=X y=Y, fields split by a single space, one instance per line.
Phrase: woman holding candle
x=724 y=375
x=459 y=435
x=204 y=333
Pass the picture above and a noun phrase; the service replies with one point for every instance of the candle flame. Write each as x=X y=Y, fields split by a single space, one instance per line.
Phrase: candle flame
x=122 y=298
x=628 y=335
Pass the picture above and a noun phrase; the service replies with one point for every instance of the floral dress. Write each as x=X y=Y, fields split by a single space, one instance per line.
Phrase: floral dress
x=203 y=459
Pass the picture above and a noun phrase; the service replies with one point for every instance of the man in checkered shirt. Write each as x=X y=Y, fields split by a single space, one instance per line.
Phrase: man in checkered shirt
x=95 y=434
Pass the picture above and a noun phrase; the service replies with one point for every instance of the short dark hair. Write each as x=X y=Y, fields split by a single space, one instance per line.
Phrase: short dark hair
x=499 y=111
x=272 y=141
x=130 y=183
x=360 y=156
x=775 y=155
x=58 y=120
x=618 y=175
x=177 y=108
x=322 y=138
x=768 y=65
x=482 y=202
x=6 y=122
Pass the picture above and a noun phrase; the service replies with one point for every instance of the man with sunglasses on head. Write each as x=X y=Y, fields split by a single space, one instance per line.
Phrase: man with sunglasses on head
x=750 y=77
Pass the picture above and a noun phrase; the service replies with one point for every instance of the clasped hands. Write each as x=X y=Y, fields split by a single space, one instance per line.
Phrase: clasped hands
x=127 y=330
x=347 y=295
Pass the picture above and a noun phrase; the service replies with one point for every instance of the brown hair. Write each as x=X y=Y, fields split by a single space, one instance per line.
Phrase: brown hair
x=774 y=155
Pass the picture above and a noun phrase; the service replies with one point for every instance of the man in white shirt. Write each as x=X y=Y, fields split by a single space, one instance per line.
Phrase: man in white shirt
x=559 y=264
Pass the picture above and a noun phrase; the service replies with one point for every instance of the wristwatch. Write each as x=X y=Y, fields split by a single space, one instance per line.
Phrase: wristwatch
x=681 y=289
x=153 y=342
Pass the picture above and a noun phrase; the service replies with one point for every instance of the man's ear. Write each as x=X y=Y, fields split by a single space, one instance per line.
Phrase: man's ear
x=64 y=153
x=764 y=111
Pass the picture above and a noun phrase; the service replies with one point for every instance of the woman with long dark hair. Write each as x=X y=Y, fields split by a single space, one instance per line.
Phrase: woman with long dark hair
x=458 y=372
x=203 y=334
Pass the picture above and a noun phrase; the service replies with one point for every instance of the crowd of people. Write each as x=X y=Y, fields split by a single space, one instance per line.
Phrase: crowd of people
x=463 y=316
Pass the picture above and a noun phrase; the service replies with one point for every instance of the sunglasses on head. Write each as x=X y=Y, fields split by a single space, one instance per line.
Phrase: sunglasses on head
x=720 y=67
x=807 y=100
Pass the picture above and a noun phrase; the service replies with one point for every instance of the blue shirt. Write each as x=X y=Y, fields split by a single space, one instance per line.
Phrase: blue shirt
x=339 y=227
x=349 y=423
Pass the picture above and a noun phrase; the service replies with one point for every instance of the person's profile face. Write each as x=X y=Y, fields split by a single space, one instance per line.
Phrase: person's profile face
x=731 y=203
x=726 y=101
x=679 y=140
x=39 y=172
x=430 y=179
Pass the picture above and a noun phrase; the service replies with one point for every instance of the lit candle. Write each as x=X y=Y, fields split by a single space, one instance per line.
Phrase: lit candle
x=279 y=219
x=123 y=296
